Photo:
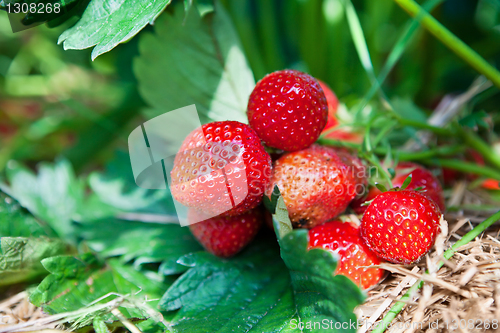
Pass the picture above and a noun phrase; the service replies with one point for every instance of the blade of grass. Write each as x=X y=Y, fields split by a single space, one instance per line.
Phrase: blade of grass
x=464 y=166
x=396 y=53
x=450 y=40
x=268 y=29
x=241 y=14
x=399 y=305
x=361 y=47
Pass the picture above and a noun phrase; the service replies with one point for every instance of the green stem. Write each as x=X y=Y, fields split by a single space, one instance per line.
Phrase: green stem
x=399 y=305
x=426 y=154
x=370 y=157
x=464 y=166
x=424 y=126
x=402 y=155
x=473 y=140
x=450 y=40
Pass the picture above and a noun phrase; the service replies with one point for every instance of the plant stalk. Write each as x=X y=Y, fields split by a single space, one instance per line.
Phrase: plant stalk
x=450 y=40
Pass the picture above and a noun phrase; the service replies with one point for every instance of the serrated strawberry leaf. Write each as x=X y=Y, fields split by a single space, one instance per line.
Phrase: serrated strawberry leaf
x=54 y=195
x=77 y=282
x=20 y=257
x=215 y=295
x=141 y=242
x=194 y=58
x=16 y=222
x=318 y=293
x=107 y=23
x=255 y=292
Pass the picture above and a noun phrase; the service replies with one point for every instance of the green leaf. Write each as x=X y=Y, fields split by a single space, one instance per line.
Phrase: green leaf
x=116 y=187
x=281 y=220
x=255 y=292
x=474 y=120
x=76 y=282
x=55 y=195
x=99 y=325
x=381 y=187
x=406 y=182
x=15 y=222
x=20 y=257
x=141 y=242
x=250 y=292
x=270 y=204
x=107 y=23
x=318 y=294
x=193 y=59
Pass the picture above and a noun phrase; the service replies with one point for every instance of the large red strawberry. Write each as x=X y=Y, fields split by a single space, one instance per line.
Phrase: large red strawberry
x=221 y=168
x=421 y=177
x=341 y=133
x=316 y=183
x=288 y=110
x=401 y=226
x=225 y=236
x=354 y=256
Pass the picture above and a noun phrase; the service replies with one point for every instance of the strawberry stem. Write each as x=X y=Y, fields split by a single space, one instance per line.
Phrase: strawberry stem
x=399 y=305
x=450 y=40
x=464 y=166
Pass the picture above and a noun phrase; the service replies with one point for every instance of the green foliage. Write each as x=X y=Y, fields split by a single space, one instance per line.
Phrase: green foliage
x=106 y=23
x=268 y=293
x=78 y=282
x=142 y=242
x=194 y=58
x=55 y=195
x=318 y=294
x=14 y=222
x=253 y=288
x=20 y=257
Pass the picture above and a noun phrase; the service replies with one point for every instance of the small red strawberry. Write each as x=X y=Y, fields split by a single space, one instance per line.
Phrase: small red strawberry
x=420 y=177
x=316 y=183
x=343 y=239
x=288 y=110
x=401 y=226
x=340 y=134
x=332 y=102
x=225 y=236
x=221 y=168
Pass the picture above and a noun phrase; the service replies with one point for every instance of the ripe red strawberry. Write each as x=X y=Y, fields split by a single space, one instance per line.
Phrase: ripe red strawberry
x=316 y=184
x=401 y=226
x=225 y=236
x=343 y=239
x=341 y=133
x=332 y=102
x=421 y=177
x=288 y=110
x=360 y=171
x=221 y=168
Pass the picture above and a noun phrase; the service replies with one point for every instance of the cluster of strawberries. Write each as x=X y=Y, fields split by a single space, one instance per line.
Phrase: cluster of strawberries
x=223 y=171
